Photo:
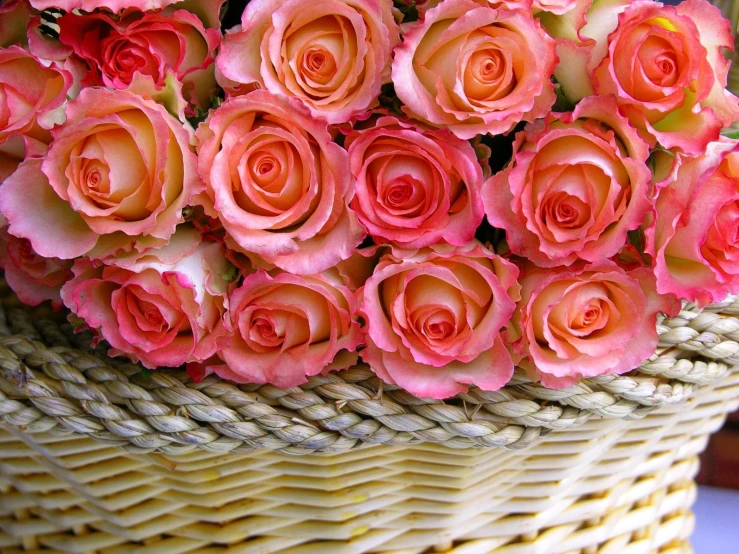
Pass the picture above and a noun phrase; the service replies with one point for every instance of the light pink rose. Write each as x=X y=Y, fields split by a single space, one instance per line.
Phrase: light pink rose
x=153 y=44
x=278 y=183
x=14 y=150
x=33 y=278
x=165 y=310
x=434 y=320
x=694 y=240
x=118 y=169
x=415 y=187
x=475 y=69
x=665 y=64
x=15 y=18
x=586 y=321
x=288 y=327
x=332 y=55
x=32 y=96
x=577 y=184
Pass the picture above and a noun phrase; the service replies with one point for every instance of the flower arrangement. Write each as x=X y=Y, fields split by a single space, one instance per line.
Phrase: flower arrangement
x=443 y=189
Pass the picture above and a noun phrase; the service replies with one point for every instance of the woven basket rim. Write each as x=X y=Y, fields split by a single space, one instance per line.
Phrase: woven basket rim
x=53 y=380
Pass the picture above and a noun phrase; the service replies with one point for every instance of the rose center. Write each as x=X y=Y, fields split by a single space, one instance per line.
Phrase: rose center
x=318 y=65
x=565 y=211
x=590 y=317
x=488 y=66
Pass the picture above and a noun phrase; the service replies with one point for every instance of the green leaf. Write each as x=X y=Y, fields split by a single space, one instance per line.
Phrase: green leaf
x=232 y=273
x=146 y=374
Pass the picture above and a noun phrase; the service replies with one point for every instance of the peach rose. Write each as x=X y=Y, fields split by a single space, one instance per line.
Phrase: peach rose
x=32 y=96
x=278 y=183
x=434 y=320
x=166 y=310
x=33 y=278
x=119 y=168
x=665 y=65
x=287 y=327
x=153 y=44
x=586 y=320
x=693 y=233
x=414 y=186
x=577 y=184
x=475 y=69
x=332 y=55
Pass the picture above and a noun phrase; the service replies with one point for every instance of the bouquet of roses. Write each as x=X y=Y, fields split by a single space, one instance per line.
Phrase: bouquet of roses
x=443 y=189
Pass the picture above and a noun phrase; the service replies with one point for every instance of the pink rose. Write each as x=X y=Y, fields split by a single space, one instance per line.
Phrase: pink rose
x=475 y=69
x=119 y=168
x=15 y=18
x=32 y=96
x=278 y=183
x=152 y=45
x=114 y=6
x=14 y=150
x=434 y=320
x=332 y=55
x=287 y=327
x=665 y=65
x=693 y=239
x=586 y=320
x=577 y=184
x=33 y=278
x=160 y=313
x=414 y=186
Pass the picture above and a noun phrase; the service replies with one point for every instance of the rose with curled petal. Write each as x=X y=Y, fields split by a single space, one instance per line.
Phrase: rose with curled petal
x=120 y=168
x=414 y=186
x=434 y=319
x=287 y=327
x=332 y=55
x=116 y=49
x=586 y=320
x=474 y=69
x=32 y=96
x=33 y=278
x=165 y=310
x=665 y=65
x=576 y=185
x=277 y=182
x=692 y=234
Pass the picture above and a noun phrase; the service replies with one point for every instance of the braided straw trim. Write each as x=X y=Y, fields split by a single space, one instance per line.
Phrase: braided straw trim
x=52 y=381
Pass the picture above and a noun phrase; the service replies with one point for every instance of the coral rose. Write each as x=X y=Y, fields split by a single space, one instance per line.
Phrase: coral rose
x=160 y=313
x=278 y=183
x=119 y=168
x=415 y=187
x=287 y=327
x=32 y=96
x=332 y=55
x=576 y=185
x=665 y=65
x=153 y=44
x=475 y=69
x=693 y=239
x=586 y=320
x=434 y=319
x=33 y=278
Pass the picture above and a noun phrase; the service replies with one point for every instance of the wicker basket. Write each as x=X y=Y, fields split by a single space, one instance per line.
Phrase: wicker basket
x=97 y=456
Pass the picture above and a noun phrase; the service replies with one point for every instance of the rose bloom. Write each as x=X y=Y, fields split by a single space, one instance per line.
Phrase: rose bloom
x=415 y=187
x=33 y=278
x=434 y=319
x=287 y=327
x=119 y=168
x=15 y=149
x=278 y=183
x=114 y=6
x=665 y=65
x=332 y=55
x=577 y=183
x=32 y=96
x=586 y=321
x=474 y=69
x=535 y=6
x=160 y=313
x=693 y=234
x=150 y=44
